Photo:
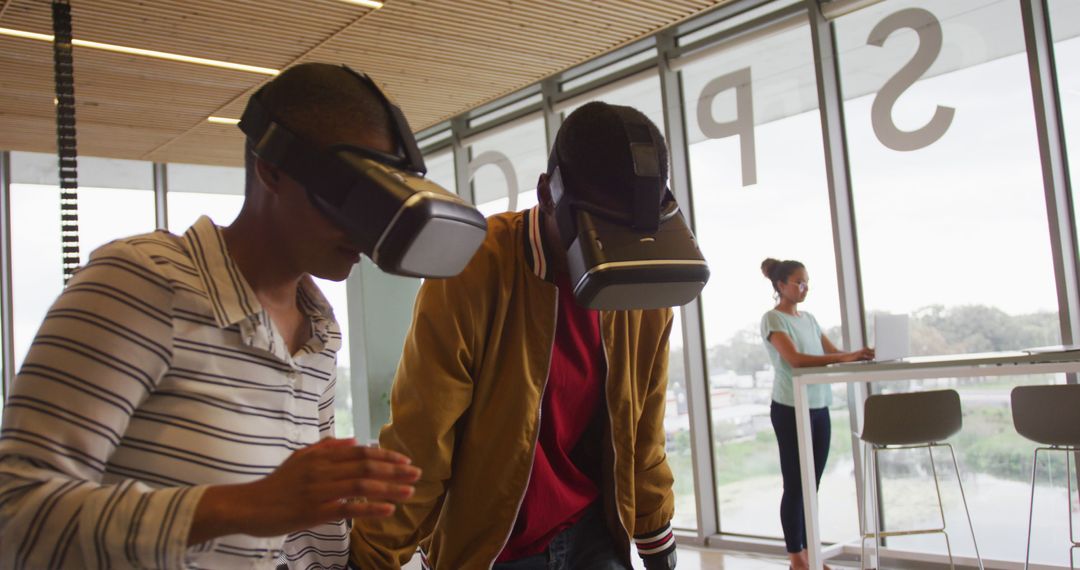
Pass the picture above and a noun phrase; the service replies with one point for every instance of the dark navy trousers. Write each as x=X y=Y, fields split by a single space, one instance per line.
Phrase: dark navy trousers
x=791 y=505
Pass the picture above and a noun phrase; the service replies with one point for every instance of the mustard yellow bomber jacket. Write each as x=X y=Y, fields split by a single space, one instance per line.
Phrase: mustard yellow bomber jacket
x=465 y=406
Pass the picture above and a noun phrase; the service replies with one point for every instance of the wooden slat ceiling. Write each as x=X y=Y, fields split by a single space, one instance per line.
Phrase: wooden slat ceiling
x=436 y=58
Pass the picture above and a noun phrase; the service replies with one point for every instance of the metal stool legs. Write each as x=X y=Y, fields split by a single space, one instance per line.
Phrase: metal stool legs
x=872 y=485
x=1073 y=539
x=963 y=499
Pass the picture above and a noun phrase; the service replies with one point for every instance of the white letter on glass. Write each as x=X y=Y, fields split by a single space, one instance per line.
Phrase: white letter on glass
x=929 y=30
x=743 y=125
x=500 y=160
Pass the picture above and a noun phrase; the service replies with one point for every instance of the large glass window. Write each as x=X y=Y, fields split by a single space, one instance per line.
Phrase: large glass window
x=641 y=91
x=952 y=231
x=335 y=293
x=607 y=70
x=1065 y=26
x=197 y=190
x=928 y=144
x=440 y=169
x=759 y=188
x=37 y=274
x=677 y=426
x=115 y=201
x=507 y=162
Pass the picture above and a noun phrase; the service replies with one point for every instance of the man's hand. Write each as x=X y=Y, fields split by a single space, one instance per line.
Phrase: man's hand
x=316 y=484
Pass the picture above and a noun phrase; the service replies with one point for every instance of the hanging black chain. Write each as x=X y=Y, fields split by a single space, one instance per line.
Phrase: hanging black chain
x=65 y=136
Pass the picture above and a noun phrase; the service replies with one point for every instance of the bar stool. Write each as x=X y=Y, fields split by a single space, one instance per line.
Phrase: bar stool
x=1048 y=415
x=916 y=420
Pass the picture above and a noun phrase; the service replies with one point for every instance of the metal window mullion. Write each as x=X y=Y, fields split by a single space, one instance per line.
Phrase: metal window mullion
x=1055 y=168
x=845 y=243
x=461 y=160
x=161 y=191
x=697 y=389
x=611 y=58
x=7 y=339
x=549 y=90
x=358 y=359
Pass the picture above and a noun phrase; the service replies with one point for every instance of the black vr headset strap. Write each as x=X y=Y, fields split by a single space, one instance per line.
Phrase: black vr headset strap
x=297 y=157
x=414 y=160
x=649 y=188
x=565 y=216
x=408 y=141
x=256 y=119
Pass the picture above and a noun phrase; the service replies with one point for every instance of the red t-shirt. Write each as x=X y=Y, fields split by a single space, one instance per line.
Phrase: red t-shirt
x=559 y=490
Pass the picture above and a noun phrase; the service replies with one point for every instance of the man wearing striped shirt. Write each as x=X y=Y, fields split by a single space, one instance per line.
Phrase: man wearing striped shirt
x=167 y=413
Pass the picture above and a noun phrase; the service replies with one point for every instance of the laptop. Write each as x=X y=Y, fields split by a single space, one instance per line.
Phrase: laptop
x=892 y=337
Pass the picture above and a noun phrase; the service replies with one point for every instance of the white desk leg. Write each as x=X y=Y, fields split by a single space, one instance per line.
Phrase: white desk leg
x=806 y=467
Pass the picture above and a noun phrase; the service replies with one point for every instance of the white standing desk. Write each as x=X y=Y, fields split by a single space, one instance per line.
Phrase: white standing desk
x=914 y=368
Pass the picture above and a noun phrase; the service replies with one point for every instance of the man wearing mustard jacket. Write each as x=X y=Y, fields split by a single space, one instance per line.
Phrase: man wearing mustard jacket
x=538 y=423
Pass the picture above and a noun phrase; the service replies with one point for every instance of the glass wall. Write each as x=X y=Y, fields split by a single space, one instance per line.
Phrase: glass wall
x=641 y=91
x=440 y=169
x=1065 y=27
x=335 y=294
x=197 y=190
x=759 y=189
x=677 y=426
x=37 y=276
x=952 y=231
x=3 y=386
x=115 y=201
x=507 y=162
x=929 y=145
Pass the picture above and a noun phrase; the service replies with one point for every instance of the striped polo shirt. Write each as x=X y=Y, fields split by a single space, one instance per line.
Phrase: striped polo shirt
x=154 y=374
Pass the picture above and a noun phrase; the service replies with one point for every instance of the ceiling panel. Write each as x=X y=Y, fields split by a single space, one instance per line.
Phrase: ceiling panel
x=436 y=58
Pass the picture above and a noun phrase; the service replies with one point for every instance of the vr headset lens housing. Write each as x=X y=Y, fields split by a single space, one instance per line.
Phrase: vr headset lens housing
x=405 y=223
x=644 y=258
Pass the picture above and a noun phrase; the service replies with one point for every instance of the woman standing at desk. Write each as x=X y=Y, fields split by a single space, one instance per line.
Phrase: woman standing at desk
x=794 y=339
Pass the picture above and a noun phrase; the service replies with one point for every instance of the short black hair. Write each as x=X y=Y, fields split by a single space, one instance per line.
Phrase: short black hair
x=325 y=104
x=593 y=148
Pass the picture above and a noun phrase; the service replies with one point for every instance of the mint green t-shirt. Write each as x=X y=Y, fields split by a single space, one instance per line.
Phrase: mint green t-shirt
x=805 y=332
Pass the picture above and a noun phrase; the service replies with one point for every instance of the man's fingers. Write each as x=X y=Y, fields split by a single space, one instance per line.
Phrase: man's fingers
x=327 y=444
x=378 y=470
x=357 y=452
x=367 y=489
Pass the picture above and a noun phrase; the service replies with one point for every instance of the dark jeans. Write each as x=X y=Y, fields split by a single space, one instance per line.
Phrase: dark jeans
x=587 y=545
x=791 y=505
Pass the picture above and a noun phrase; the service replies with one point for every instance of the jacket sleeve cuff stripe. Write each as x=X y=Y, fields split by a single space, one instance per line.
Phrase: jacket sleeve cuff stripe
x=655 y=542
x=654 y=536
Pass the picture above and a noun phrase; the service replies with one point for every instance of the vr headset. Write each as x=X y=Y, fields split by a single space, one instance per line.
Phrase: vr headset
x=646 y=258
x=405 y=223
